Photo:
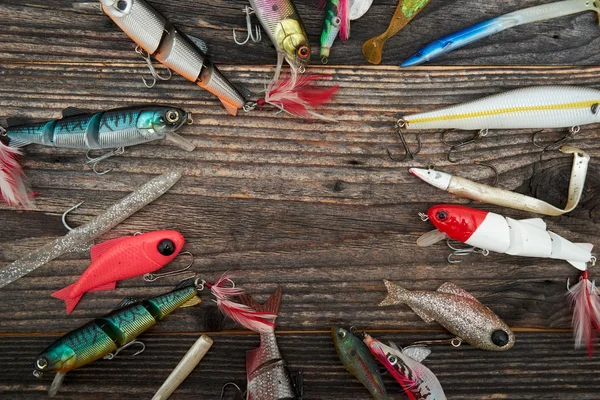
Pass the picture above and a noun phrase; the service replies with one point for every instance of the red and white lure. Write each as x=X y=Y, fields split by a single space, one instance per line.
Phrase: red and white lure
x=585 y=301
x=493 y=232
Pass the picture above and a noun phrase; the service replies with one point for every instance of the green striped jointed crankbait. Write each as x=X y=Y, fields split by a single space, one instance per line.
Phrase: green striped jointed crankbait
x=107 y=335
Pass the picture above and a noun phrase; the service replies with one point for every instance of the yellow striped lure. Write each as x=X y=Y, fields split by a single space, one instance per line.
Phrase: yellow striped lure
x=538 y=107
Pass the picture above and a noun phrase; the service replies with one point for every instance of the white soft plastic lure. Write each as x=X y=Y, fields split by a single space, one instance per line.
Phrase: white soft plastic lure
x=501 y=197
x=528 y=108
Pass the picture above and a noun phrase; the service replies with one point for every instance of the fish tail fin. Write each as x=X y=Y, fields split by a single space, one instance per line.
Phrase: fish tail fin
x=585 y=302
x=344 y=13
x=65 y=295
x=394 y=295
x=12 y=185
x=212 y=80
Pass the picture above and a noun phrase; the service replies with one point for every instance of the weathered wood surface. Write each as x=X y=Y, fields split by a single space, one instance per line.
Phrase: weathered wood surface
x=318 y=208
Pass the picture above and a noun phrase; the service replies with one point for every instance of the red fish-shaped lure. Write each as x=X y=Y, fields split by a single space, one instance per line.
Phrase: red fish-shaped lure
x=122 y=258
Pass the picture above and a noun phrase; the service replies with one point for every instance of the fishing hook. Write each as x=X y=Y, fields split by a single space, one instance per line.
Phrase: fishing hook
x=407 y=151
x=64 y=216
x=94 y=161
x=255 y=36
x=150 y=277
x=110 y=356
x=155 y=75
x=234 y=385
x=453 y=146
x=557 y=143
x=455 y=342
x=461 y=252
x=496 y=177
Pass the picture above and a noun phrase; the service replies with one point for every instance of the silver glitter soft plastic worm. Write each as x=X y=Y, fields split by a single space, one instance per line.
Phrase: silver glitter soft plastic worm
x=84 y=234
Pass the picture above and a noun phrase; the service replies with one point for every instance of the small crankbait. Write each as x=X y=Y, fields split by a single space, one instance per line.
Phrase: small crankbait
x=185 y=367
x=84 y=234
x=462 y=187
x=78 y=129
x=120 y=259
x=457 y=311
x=336 y=20
x=359 y=361
x=106 y=336
x=405 y=11
x=186 y=55
x=493 y=232
x=487 y=28
x=417 y=381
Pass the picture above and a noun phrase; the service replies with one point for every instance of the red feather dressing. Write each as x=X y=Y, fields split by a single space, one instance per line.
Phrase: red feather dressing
x=586 y=312
x=344 y=14
x=241 y=313
x=297 y=95
x=12 y=186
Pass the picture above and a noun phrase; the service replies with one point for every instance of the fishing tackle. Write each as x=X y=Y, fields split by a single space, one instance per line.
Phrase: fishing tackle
x=78 y=129
x=417 y=381
x=487 y=28
x=536 y=107
x=359 y=361
x=111 y=333
x=120 y=259
x=457 y=311
x=476 y=191
x=585 y=302
x=84 y=234
x=185 y=367
x=336 y=19
x=493 y=232
x=184 y=54
x=405 y=11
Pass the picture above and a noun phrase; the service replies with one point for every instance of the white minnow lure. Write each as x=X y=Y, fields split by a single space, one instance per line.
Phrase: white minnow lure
x=527 y=108
x=84 y=234
x=493 y=232
x=185 y=367
x=487 y=28
x=462 y=187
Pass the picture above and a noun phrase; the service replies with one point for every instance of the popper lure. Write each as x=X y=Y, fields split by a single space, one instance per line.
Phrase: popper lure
x=84 y=234
x=456 y=310
x=462 y=187
x=110 y=130
x=417 y=381
x=493 y=232
x=122 y=258
x=359 y=361
x=487 y=28
x=186 y=55
x=108 y=335
x=405 y=11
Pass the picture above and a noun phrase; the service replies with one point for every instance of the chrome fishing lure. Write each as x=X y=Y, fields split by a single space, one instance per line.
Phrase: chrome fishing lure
x=186 y=55
x=487 y=28
x=493 y=232
x=462 y=187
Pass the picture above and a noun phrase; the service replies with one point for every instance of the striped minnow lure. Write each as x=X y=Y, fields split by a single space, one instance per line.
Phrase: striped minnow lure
x=157 y=37
x=107 y=335
x=417 y=381
x=359 y=361
x=487 y=194
x=484 y=29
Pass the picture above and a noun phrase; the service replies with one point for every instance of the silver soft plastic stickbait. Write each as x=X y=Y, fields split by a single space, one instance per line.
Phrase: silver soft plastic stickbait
x=104 y=222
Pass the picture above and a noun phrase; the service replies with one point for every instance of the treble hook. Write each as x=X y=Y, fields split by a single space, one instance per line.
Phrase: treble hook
x=461 y=252
x=493 y=169
x=153 y=277
x=94 y=161
x=557 y=143
x=64 y=216
x=455 y=342
x=155 y=75
x=112 y=355
x=234 y=385
x=255 y=36
x=453 y=146
x=407 y=151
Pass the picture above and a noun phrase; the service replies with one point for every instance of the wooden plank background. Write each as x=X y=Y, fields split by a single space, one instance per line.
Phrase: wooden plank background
x=315 y=207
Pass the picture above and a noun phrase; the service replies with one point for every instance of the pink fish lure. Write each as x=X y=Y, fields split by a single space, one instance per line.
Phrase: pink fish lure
x=122 y=258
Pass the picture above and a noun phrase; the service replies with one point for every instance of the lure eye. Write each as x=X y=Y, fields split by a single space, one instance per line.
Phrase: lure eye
x=122 y=5
x=172 y=116
x=337 y=21
x=393 y=360
x=441 y=215
x=342 y=334
x=595 y=108
x=500 y=338
x=303 y=52
x=166 y=247
x=41 y=363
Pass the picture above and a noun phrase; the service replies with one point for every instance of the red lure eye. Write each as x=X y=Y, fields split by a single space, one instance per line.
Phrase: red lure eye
x=441 y=215
x=303 y=52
